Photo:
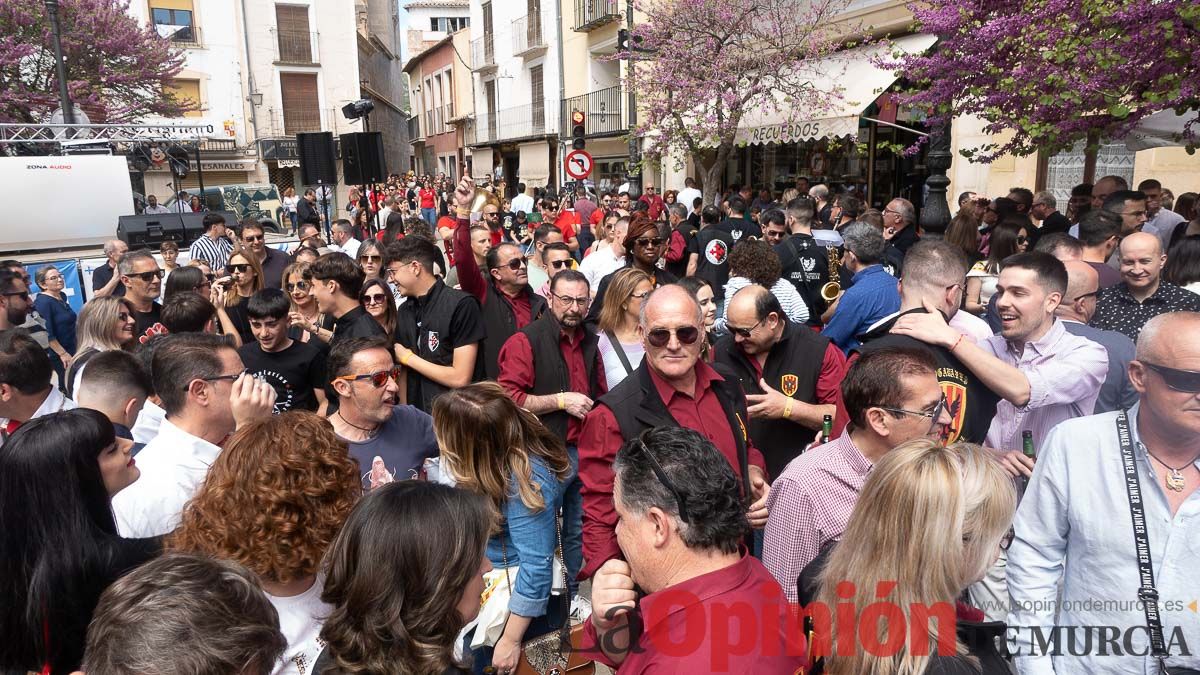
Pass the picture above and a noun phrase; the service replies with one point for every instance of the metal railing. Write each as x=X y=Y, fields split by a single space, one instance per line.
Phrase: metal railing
x=298 y=47
x=219 y=145
x=483 y=53
x=414 y=129
x=591 y=14
x=603 y=109
x=527 y=34
x=447 y=115
x=185 y=36
x=293 y=120
x=523 y=121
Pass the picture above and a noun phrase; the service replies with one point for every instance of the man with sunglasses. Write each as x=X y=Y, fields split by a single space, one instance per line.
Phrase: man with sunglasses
x=892 y=396
x=143 y=283
x=273 y=261
x=553 y=369
x=671 y=387
x=1075 y=311
x=1142 y=294
x=365 y=380
x=507 y=302
x=207 y=394
x=15 y=301
x=1075 y=553
x=543 y=236
x=565 y=221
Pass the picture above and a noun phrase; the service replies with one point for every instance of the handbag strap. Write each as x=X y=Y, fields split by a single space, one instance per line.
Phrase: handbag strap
x=1147 y=593
x=616 y=345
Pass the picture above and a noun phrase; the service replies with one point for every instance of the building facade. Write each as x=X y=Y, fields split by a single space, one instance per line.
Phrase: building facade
x=431 y=21
x=593 y=87
x=440 y=91
x=382 y=78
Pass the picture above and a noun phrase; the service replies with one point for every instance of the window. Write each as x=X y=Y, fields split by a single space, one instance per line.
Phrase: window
x=301 y=106
x=448 y=24
x=295 y=40
x=538 y=102
x=173 y=19
x=187 y=92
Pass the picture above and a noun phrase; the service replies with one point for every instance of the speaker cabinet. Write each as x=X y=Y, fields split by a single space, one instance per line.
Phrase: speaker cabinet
x=362 y=158
x=144 y=231
x=317 y=165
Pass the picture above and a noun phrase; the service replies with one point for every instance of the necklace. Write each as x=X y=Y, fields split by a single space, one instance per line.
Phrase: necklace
x=369 y=432
x=1175 y=480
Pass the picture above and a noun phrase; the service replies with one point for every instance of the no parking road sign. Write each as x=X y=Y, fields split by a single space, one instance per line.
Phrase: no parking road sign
x=579 y=164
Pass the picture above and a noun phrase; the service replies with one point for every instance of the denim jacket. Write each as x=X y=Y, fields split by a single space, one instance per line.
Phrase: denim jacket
x=530 y=538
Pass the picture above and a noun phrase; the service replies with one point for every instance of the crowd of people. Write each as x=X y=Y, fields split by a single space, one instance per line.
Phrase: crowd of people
x=660 y=430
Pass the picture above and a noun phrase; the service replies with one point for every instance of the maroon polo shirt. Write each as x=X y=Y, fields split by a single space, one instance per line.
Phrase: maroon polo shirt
x=516 y=370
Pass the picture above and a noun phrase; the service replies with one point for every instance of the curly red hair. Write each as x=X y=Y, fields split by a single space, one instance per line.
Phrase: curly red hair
x=275 y=498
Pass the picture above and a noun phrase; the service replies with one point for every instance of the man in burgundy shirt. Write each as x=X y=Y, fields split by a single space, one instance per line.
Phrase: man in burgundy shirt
x=710 y=607
x=672 y=387
x=552 y=369
x=507 y=303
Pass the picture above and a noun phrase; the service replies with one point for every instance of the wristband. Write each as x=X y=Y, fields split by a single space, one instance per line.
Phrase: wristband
x=562 y=401
x=464 y=213
x=787 y=408
x=404 y=361
x=955 y=345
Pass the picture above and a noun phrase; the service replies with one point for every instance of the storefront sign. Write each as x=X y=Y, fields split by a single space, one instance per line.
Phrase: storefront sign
x=795 y=132
x=213 y=165
x=289 y=164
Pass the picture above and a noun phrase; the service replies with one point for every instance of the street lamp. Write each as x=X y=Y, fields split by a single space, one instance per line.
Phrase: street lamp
x=60 y=65
x=255 y=98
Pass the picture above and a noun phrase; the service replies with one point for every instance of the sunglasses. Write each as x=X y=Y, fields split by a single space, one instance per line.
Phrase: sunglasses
x=210 y=277
x=514 y=264
x=218 y=378
x=745 y=332
x=373 y=299
x=654 y=242
x=378 y=378
x=680 y=500
x=561 y=264
x=254 y=238
x=18 y=294
x=301 y=285
x=146 y=276
x=659 y=337
x=371 y=258
x=1022 y=240
x=1187 y=381
x=241 y=269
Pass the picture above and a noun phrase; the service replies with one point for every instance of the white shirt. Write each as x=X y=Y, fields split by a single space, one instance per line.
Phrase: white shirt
x=614 y=370
x=54 y=402
x=1163 y=224
x=688 y=195
x=149 y=420
x=173 y=466
x=157 y=209
x=350 y=248
x=300 y=620
x=522 y=203
x=599 y=265
x=974 y=328
x=180 y=207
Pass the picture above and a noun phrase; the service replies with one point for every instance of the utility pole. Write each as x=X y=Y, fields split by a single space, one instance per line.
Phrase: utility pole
x=64 y=95
x=635 y=179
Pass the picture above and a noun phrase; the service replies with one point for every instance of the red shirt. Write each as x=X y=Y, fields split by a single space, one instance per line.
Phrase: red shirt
x=427 y=197
x=601 y=438
x=516 y=371
x=733 y=620
x=597 y=216
x=567 y=220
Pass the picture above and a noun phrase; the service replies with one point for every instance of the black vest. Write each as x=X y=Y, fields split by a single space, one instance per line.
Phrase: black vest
x=550 y=375
x=500 y=323
x=637 y=406
x=805 y=264
x=793 y=367
x=713 y=246
x=423 y=325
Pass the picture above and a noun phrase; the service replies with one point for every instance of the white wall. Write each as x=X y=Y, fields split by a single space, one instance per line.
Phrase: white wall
x=512 y=75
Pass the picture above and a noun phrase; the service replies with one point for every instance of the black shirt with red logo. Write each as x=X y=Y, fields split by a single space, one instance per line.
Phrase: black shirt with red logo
x=713 y=246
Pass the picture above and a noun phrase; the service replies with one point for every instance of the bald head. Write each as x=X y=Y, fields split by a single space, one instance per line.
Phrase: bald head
x=1168 y=338
x=1141 y=243
x=669 y=300
x=1079 y=303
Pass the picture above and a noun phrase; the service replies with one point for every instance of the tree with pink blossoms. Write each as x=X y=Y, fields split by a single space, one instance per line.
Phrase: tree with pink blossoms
x=117 y=69
x=699 y=66
x=1049 y=73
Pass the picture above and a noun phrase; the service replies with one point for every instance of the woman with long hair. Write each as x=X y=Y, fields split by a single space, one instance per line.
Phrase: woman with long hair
x=1183 y=264
x=306 y=320
x=370 y=258
x=274 y=500
x=619 y=344
x=427 y=199
x=377 y=300
x=195 y=204
x=188 y=279
x=702 y=291
x=105 y=324
x=403 y=578
x=930 y=522
x=495 y=448
x=963 y=233
x=59 y=547
x=363 y=219
x=246 y=279
x=1008 y=238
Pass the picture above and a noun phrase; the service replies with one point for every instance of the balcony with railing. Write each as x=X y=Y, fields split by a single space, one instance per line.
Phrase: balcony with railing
x=603 y=110
x=483 y=53
x=414 y=130
x=527 y=35
x=447 y=115
x=290 y=121
x=510 y=124
x=592 y=14
x=295 y=47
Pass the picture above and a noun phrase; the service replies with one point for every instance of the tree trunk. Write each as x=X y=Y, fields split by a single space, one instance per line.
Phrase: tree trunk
x=713 y=170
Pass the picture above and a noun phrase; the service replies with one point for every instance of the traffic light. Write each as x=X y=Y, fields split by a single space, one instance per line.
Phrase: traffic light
x=622 y=40
x=578 y=131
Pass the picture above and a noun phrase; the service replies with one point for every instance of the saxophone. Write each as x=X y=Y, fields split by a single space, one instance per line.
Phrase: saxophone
x=830 y=291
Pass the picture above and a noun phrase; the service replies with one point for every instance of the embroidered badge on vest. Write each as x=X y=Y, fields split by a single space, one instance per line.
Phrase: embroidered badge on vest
x=433 y=341
x=788 y=384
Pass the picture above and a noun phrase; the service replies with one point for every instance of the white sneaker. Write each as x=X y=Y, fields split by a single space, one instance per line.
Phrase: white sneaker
x=581 y=609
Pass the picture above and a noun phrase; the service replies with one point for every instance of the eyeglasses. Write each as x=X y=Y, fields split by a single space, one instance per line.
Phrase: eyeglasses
x=373 y=299
x=218 y=378
x=1187 y=381
x=491 y=215
x=568 y=300
x=561 y=264
x=933 y=415
x=515 y=264
x=745 y=332
x=301 y=285
x=146 y=276
x=639 y=296
x=680 y=500
x=659 y=337
x=241 y=268
x=53 y=279
x=378 y=378
x=649 y=242
x=371 y=258
x=254 y=238
x=18 y=294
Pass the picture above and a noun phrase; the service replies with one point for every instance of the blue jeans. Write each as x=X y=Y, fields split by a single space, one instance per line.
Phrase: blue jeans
x=553 y=618
x=572 y=522
x=430 y=216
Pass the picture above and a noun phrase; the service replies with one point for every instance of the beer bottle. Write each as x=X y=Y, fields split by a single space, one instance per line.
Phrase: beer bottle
x=826 y=428
x=1027 y=450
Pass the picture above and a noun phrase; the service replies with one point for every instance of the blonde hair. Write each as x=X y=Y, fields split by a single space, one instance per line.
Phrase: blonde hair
x=927 y=524
x=97 y=327
x=234 y=296
x=624 y=283
x=487 y=440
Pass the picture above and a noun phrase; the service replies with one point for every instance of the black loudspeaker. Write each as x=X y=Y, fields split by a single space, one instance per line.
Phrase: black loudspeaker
x=193 y=225
x=317 y=166
x=362 y=158
x=144 y=231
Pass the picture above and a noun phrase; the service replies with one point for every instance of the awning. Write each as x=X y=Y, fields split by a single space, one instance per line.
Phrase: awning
x=1160 y=130
x=861 y=81
x=534 y=167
